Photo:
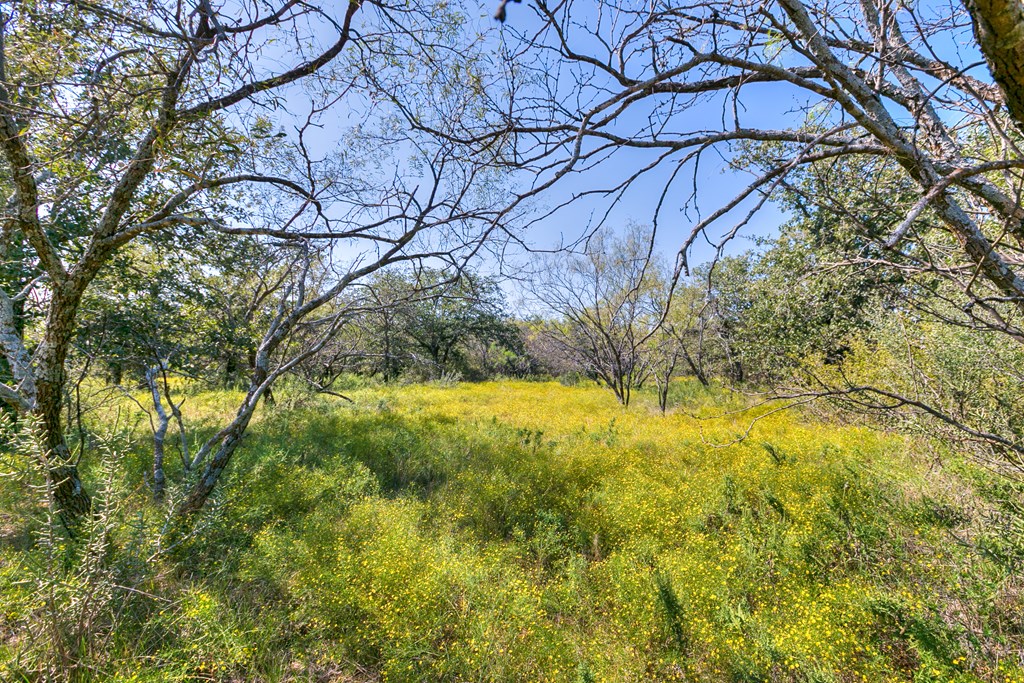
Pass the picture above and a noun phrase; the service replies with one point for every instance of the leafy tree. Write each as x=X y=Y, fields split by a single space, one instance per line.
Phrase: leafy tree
x=688 y=328
x=426 y=321
x=441 y=316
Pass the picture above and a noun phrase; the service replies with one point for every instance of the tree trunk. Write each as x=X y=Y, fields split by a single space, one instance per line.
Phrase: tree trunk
x=999 y=28
x=22 y=395
x=662 y=393
x=387 y=354
x=694 y=368
x=230 y=439
x=226 y=442
x=159 y=434
x=72 y=500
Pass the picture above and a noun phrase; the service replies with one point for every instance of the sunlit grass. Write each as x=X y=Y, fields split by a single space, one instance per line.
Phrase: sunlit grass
x=534 y=532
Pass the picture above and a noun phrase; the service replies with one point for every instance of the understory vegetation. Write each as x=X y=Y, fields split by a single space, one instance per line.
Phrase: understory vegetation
x=513 y=531
x=254 y=254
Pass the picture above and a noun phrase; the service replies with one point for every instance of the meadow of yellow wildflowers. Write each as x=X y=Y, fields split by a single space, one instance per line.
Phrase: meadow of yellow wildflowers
x=519 y=531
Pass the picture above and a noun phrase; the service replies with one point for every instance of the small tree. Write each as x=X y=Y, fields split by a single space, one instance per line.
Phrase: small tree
x=687 y=324
x=681 y=337
x=605 y=307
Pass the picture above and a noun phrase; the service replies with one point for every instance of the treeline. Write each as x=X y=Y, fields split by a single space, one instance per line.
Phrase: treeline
x=163 y=216
x=204 y=323
x=800 y=317
x=808 y=317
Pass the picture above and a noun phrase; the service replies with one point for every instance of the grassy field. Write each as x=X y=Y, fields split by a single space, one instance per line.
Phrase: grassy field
x=537 y=532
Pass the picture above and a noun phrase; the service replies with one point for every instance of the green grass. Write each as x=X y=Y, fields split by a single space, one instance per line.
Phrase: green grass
x=536 y=532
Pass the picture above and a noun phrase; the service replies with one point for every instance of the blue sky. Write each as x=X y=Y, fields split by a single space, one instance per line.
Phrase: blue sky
x=716 y=183
x=766 y=106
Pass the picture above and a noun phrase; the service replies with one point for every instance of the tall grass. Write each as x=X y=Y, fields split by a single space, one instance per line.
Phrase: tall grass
x=537 y=532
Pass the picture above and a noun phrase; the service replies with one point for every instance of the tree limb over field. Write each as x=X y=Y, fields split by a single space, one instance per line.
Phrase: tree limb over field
x=873 y=113
x=859 y=79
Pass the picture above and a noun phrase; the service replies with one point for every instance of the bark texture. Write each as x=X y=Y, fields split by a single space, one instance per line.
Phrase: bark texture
x=159 y=435
x=999 y=29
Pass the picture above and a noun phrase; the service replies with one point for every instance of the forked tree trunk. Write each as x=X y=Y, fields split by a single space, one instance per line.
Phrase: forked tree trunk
x=664 y=381
x=39 y=391
x=697 y=371
x=226 y=442
x=230 y=438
